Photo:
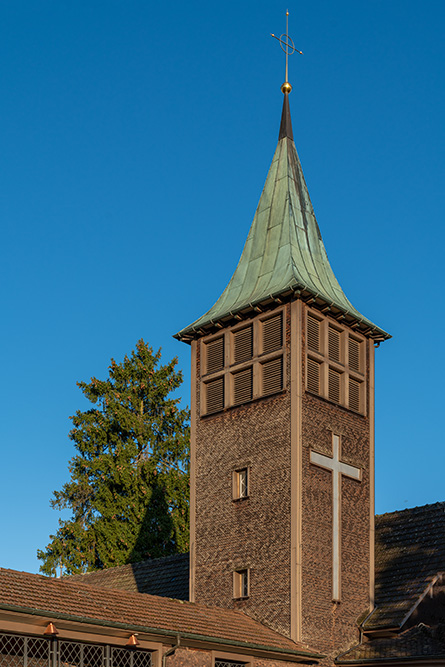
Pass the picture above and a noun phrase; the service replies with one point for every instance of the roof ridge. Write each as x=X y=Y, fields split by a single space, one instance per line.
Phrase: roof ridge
x=439 y=503
x=139 y=563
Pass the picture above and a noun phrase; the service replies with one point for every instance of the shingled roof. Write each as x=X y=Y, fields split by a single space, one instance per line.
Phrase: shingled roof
x=408 y=620
x=409 y=555
x=72 y=600
x=420 y=642
x=167 y=577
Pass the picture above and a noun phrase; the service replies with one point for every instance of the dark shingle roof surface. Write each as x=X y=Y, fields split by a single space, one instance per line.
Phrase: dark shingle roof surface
x=167 y=577
x=419 y=642
x=20 y=590
x=409 y=553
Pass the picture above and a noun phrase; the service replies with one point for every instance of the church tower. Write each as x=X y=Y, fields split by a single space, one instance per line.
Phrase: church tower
x=282 y=444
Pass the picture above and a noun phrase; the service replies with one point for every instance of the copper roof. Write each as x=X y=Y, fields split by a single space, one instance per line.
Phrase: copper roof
x=284 y=254
x=33 y=593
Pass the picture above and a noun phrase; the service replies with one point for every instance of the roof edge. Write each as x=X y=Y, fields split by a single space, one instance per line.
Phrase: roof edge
x=411 y=610
x=161 y=631
x=293 y=291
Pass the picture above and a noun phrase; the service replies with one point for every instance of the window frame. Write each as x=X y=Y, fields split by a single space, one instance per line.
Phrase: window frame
x=236 y=659
x=241 y=584
x=327 y=365
x=231 y=369
x=236 y=480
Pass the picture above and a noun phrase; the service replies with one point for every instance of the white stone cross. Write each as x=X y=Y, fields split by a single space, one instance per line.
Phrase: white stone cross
x=338 y=469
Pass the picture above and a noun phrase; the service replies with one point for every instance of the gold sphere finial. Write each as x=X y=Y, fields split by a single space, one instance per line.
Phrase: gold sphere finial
x=286 y=87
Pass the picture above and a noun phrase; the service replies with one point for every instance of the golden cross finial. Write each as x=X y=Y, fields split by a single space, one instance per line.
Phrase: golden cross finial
x=288 y=47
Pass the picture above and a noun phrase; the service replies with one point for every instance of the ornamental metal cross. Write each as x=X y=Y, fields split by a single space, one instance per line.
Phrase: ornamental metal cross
x=287 y=45
x=338 y=469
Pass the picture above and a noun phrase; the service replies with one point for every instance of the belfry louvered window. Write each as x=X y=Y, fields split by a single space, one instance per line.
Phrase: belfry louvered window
x=215 y=355
x=214 y=395
x=272 y=334
x=243 y=345
x=272 y=376
x=334 y=385
x=313 y=375
x=242 y=386
x=334 y=344
x=313 y=334
x=243 y=363
x=335 y=362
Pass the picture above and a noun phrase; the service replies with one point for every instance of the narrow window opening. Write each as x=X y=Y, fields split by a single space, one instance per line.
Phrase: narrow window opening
x=241 y=483
x=241 y=584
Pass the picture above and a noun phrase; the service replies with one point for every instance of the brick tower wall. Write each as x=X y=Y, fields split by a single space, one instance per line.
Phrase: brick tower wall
x=254 y=532
x=331 y=626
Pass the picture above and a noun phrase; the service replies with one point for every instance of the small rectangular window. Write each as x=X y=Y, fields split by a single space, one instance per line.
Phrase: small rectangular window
x=242 y=345
x=215 y=355
x=241 y=584
x=241 y=483
x=228 y=663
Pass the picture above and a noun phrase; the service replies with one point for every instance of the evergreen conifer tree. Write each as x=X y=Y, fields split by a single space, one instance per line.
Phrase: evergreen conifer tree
x=129 y=485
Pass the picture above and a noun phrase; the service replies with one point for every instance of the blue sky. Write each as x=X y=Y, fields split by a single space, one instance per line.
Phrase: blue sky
x=135 y=141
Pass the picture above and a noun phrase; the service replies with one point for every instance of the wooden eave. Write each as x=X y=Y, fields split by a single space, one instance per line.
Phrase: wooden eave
x=363 y=326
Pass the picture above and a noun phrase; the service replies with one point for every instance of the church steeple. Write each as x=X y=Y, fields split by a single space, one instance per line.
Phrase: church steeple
x=282 y=427
x=284 y=255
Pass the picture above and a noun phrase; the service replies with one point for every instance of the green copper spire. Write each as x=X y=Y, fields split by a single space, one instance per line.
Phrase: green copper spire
x=284 y=255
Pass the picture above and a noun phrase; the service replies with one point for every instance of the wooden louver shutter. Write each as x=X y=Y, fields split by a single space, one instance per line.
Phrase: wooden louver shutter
x=272 y=334
x=215 y=355
x=313 y=333
x=354 y=395
x=313 y=376
x=215 y=395
x=242 y=386
x=242 y=345
x=272 y=376
x=354 y=355
x=334 y=385
x=334 y=344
